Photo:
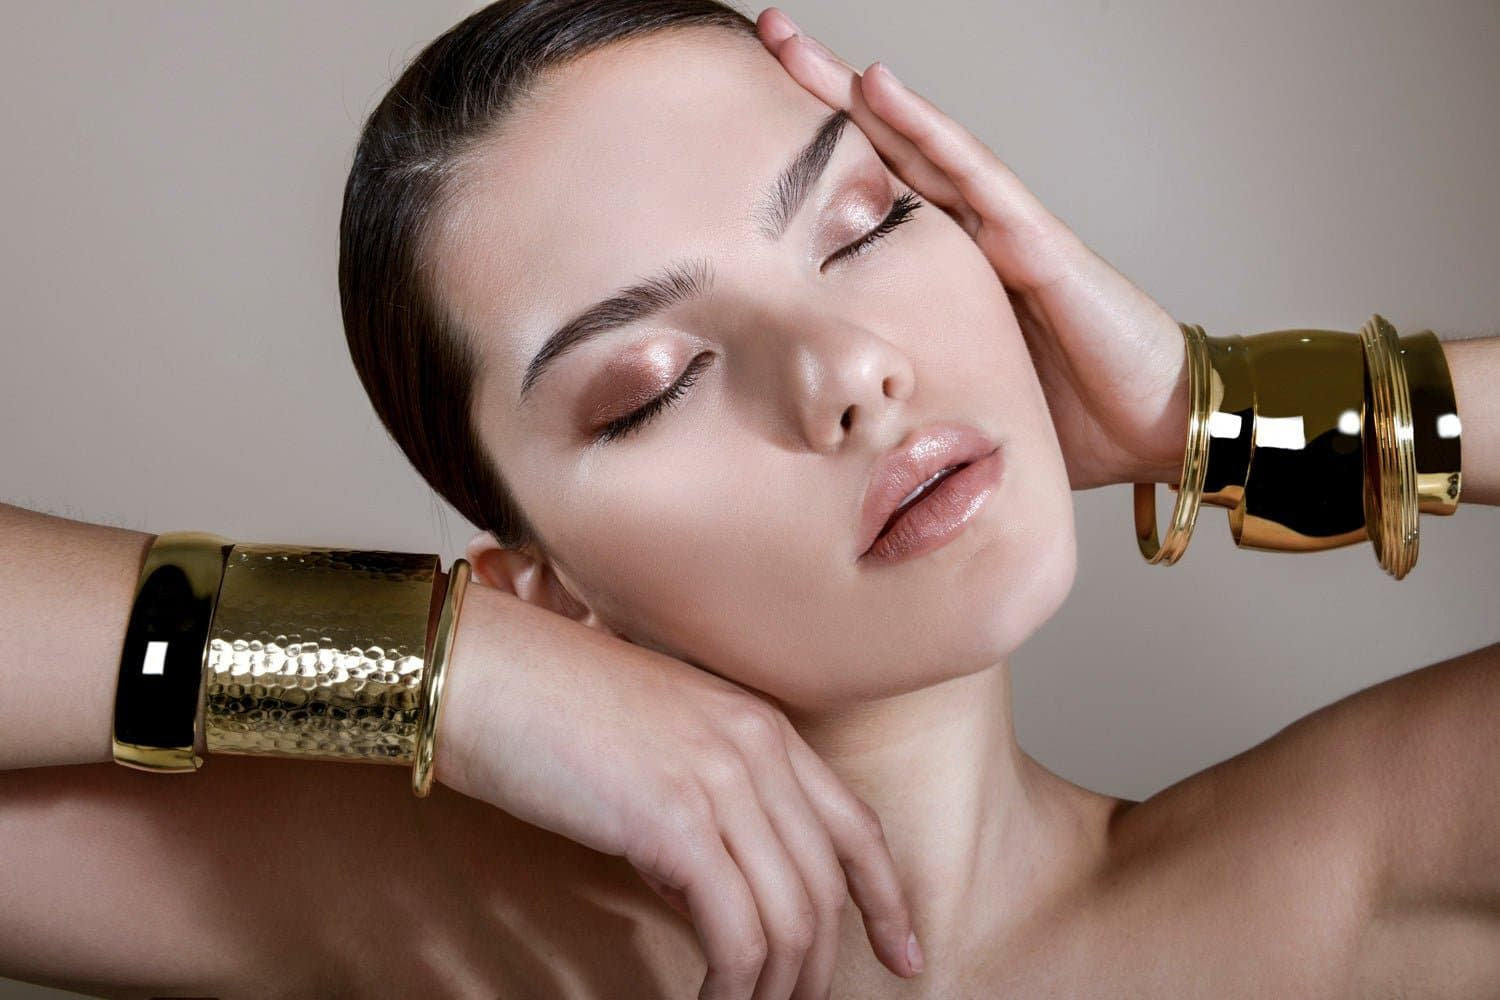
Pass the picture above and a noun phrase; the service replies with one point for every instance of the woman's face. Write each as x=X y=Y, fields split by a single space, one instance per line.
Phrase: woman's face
x=725 y=530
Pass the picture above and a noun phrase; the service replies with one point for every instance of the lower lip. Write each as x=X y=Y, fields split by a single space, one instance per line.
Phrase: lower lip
x=937 y=518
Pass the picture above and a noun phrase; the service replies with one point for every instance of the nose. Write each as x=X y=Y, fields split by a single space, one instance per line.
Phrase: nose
x=845 y=380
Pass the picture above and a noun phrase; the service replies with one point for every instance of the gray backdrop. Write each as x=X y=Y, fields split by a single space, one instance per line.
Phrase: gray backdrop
x=170 y=194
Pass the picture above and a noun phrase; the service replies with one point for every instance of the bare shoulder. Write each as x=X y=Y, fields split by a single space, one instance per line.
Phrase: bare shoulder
x=1358 y=846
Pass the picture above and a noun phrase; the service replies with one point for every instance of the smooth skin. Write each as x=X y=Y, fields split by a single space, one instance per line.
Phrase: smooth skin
x=1109 y=358
x=1351 y=854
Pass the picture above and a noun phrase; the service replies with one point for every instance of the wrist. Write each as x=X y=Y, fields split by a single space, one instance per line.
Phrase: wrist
x=1164 y=463
x=464 y=677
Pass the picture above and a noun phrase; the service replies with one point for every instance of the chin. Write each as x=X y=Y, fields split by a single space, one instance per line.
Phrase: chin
x=1031 y=582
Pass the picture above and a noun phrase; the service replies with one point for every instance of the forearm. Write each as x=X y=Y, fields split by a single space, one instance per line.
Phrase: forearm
x=252 y=877
x=1475 y=367
x=66 y=589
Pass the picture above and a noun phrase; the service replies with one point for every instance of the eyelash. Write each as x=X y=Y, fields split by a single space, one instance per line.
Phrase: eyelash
x=904 y=207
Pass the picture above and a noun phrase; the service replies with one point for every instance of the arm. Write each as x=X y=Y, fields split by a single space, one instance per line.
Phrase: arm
x=66 y=589
x=85 y=844
x=1475 y=367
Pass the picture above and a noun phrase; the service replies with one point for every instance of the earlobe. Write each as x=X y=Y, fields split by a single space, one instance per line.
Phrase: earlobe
x=529 y=576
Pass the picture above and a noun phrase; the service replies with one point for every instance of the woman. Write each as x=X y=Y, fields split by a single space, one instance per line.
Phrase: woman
x=729 y=531
x=684 y=467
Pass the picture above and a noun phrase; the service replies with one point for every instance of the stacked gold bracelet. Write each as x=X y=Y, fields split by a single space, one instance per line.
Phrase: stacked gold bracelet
x=1314 y=439
x=284 y=651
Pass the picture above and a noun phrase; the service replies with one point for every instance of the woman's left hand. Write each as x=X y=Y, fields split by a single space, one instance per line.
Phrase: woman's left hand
x=1111 y=361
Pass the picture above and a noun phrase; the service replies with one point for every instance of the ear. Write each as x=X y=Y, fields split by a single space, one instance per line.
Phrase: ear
x=530 y=576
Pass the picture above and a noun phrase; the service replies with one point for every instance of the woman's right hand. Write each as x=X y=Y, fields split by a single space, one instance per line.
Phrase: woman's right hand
x=705 y=788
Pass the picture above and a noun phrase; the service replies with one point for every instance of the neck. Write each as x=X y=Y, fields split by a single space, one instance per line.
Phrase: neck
x=982 y=835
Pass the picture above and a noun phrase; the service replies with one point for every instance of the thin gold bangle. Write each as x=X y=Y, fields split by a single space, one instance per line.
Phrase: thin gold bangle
x=1391 y=493
x=432 y=687
x=1194 y=463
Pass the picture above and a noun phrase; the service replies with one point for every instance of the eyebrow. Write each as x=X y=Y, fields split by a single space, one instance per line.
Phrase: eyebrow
x=682 y=281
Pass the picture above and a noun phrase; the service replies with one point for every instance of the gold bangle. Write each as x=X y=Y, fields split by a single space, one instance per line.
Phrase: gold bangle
x=1231 y=424
x=1305 y=489
x=1436 y=430
x=319 y=653
x=1204 y=396
x=158 y=692
x=432 y=686
x=1390 y=496
x=1316 y=439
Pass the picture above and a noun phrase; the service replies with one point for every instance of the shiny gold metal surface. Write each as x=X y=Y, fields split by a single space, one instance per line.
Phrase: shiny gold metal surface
x=1391 y=492
x=1436 y=431
x=432 y=687
x=1231 y=423
x=195 y=562
x=1315 y=439
x=1205 y=393
x=319 y=653
x=1305 y=487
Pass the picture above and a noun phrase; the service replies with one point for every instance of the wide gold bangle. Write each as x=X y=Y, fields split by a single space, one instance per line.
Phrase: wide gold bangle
x=1316 y=439
x=432 y=687
x=319 y=653
x=1305 y=488
x=158 y=691
x=1231 y=423
x=1436 y=429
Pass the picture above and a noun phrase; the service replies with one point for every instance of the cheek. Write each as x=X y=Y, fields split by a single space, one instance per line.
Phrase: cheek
x=958 y=319
x=672 y=555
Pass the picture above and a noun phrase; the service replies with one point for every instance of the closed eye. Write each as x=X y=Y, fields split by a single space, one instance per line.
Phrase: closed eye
x=902 y=210
x=904 y=207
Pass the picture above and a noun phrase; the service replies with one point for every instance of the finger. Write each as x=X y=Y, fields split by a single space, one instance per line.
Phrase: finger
x=837 y=84
x=725 y=917
x=786 y=912
x=985 y=183
x=860 y=845
x=1029 y=246
x=805 y=837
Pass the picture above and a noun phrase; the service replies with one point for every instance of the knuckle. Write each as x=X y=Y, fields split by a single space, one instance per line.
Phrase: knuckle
x=688 y=812
x=754 y=724
x=798 y=932
x=748 y=956
x=721 y=769
x=866 y=822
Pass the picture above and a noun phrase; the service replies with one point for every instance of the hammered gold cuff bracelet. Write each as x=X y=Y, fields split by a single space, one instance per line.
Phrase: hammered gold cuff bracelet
x=1314 y=439
x=313 y=653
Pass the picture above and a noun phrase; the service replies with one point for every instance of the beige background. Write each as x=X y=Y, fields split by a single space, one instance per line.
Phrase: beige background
x=170 y=189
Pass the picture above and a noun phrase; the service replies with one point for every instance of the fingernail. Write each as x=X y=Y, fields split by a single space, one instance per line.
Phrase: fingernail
x=792 y=24
x=914 y=952
x=894 y=78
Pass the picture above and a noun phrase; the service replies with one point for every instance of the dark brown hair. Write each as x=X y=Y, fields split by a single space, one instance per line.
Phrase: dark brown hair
x=417 y=366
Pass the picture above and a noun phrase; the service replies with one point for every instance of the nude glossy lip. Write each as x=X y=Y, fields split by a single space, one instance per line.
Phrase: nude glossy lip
x=973 y=464
x=938 y=516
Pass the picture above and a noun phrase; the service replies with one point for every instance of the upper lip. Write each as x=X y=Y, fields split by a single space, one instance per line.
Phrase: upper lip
x=924 y=452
